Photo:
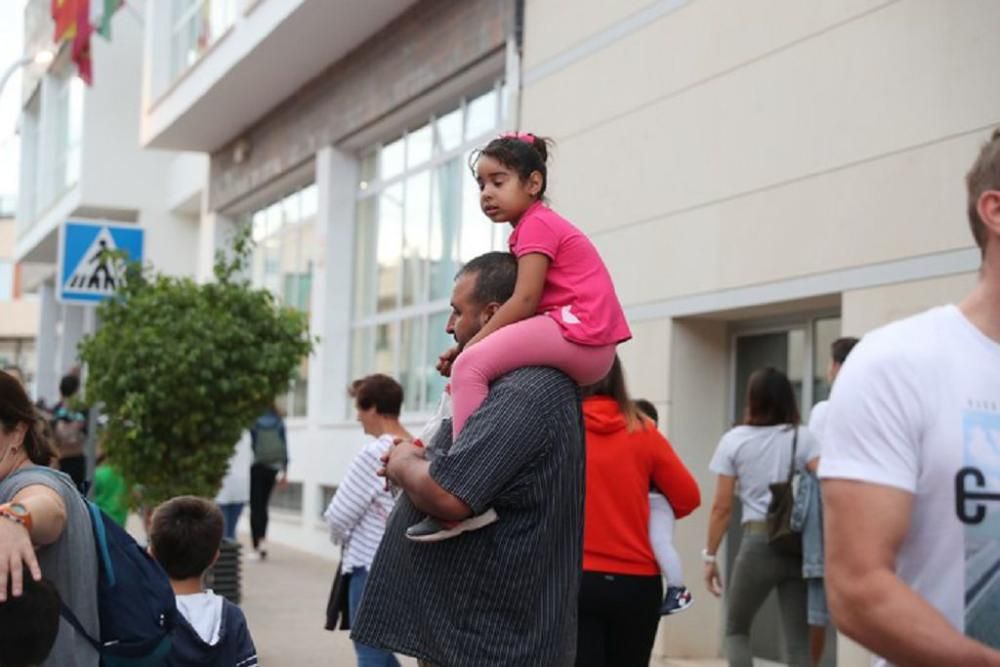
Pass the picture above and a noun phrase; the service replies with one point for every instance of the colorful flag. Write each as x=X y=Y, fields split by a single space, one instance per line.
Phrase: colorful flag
x=81 y=42
x=101 y=12
x=65 y=15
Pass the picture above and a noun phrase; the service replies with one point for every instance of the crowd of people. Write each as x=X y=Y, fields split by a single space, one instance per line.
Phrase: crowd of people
x=531 y=522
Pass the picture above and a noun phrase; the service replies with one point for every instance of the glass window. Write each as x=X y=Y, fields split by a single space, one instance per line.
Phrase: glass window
x=6 y=280
x=288 y=497
x=283 y=260
x=197 y=24
x=327 y=492
x=417 y=222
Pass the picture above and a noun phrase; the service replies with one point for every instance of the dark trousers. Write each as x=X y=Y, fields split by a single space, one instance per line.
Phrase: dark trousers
x=262 y=478
x=618 y=617
x=76 y=468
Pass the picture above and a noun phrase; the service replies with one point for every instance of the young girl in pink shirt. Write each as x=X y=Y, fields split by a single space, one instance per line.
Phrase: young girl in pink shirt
x=564 y=312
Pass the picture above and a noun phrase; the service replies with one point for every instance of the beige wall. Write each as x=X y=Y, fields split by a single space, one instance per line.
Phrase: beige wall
x=711 y=146
x=729 y=144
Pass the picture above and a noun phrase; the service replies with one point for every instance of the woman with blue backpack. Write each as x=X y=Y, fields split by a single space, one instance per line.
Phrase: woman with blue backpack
x=118 y=607
x=46 y=525
x=270 y=458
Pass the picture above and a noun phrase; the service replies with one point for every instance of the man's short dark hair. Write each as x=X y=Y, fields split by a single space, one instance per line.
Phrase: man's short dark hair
x=648 y=409
x=496 y=276
x=378 y=391
x=982 y=177
x=842 y=347
x=185 y=536
x=29 y=623
x=69 y=385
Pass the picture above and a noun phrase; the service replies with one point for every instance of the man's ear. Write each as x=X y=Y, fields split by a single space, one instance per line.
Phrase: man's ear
x=489 y=310
x=988 y=207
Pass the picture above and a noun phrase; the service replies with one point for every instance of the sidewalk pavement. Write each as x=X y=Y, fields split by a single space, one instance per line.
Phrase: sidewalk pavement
x=284 y=599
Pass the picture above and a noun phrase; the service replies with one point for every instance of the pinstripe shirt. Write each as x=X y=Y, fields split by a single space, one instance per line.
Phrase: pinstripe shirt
x=358 y=511
x=504 y=595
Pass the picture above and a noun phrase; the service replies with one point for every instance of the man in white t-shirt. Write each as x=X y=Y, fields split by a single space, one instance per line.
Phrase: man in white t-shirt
x=911 y=471
x=839 y=350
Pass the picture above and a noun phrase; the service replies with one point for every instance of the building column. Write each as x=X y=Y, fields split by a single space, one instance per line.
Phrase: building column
x=336 y=179
x=69 y=339
x=215 y=231
x=46 y=382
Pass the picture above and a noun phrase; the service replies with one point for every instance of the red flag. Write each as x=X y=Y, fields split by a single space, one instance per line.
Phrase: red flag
x=81 y=41
x=65 y=15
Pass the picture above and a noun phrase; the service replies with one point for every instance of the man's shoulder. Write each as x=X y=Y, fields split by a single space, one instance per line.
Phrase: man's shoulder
x=534 y=379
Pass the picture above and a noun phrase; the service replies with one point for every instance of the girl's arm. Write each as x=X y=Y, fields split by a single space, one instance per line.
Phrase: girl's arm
x=531 y=271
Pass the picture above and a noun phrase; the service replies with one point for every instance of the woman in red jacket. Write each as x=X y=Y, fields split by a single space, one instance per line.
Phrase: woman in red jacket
x=621 y=588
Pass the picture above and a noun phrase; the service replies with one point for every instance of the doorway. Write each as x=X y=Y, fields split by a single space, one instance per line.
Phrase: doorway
x=800 y=348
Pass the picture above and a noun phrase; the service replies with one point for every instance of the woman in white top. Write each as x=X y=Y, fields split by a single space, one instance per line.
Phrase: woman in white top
x=757 y=454
x=358 y=511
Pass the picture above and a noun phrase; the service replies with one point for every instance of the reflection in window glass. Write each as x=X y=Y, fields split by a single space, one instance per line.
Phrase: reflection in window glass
x=365 y=232
x=438 y=340
x=418 y=146
x=392 y=159
x=481 y=116
x=449 y=131
x=282 y=262
x=410 y=368
x=416 y=238
x=411 y=237
x=390 y=246
x=446 y=217
x=477 y=229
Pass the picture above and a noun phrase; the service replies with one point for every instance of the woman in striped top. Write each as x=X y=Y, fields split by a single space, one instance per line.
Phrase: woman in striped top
x=358 y=511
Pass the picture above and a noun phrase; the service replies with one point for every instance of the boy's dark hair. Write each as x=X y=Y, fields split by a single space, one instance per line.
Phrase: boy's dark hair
x=840 y=348
x=29 y=623
x=496 y=276
x=185 y=536
x=983 y=176
x=69 y=385
x=378 y=391
x=519 y=155
x=771 y=399
x=648 y=409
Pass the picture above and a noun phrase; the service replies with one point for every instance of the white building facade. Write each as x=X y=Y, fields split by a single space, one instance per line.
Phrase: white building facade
x=81 y=160
x=760 y=179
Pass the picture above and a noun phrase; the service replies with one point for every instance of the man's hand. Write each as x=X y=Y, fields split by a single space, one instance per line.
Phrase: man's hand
x=16 y=551
x=402 y=453
x=283 y=480
x=446 y=360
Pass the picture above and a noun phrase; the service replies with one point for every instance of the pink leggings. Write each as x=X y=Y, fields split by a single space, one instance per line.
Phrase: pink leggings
x=536 y=341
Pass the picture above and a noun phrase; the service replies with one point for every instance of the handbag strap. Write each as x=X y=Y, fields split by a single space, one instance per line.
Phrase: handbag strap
x=795 y=447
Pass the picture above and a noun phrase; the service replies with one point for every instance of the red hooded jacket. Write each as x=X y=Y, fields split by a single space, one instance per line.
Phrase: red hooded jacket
x=621 y=464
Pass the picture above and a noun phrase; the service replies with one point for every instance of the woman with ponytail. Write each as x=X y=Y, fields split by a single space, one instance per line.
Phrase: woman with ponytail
x=44 y=525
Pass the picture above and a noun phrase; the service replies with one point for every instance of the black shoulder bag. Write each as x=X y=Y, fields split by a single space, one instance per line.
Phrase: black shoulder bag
x=779 y=513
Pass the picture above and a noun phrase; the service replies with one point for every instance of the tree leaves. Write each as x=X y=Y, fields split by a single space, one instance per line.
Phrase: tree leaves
x=183 y=368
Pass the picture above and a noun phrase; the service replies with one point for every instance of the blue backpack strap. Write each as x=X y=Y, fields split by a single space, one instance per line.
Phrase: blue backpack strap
x=101 y=538
x=71 y=618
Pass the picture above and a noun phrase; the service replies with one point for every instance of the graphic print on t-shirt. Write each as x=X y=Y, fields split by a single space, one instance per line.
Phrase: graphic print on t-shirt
x=977 y=499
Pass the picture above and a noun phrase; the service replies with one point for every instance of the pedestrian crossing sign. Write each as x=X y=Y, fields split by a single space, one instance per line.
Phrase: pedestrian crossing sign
x=86 y=273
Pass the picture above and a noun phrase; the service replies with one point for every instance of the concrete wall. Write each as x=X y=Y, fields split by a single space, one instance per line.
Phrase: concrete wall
x=731 y=158
x=418 y=52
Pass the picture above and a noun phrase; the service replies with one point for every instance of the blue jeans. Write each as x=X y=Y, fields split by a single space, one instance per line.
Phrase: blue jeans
x=368 y=656
x=231 y=516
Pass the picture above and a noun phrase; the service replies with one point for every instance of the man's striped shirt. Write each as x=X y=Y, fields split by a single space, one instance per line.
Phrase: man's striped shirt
x=505 y=594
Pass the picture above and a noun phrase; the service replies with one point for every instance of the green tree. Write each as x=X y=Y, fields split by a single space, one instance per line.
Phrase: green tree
x=182 y=368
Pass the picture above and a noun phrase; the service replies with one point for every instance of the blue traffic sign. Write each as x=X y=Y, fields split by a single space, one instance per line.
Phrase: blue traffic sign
x=86 y=273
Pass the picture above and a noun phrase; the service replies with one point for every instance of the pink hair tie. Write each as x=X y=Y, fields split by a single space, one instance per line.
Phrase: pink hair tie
x=526 y=137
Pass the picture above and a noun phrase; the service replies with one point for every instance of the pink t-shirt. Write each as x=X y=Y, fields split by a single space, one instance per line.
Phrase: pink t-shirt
x=579 y=294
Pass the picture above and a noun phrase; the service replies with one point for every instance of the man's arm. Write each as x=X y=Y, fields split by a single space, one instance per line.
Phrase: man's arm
x=407 y=467
x=865 y=525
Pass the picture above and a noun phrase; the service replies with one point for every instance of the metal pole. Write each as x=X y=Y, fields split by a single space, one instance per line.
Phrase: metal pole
x=16 y=65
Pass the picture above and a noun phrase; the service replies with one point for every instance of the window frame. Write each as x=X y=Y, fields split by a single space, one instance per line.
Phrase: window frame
x=424 y=309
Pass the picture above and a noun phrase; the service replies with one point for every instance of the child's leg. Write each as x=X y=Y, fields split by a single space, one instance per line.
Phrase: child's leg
x=536 y=341
x=661 y=537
